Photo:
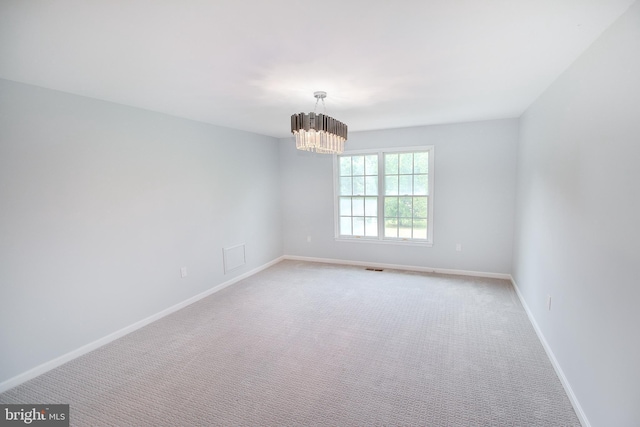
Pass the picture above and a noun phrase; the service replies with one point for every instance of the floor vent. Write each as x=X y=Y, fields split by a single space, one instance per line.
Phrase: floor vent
x=373 y=269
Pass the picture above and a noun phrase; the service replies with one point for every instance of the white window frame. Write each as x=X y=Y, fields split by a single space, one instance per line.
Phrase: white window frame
x=380 y=239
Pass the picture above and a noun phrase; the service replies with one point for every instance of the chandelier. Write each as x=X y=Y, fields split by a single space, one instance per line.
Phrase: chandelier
x=318 y=132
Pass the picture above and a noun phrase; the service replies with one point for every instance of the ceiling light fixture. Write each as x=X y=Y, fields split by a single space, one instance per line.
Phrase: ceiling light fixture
x=318 y=132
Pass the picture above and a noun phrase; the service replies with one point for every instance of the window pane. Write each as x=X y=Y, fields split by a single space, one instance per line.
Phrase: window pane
x=358 y=226
x=371 y=206
x=419 y=228
x=390 y=207
x=371 y=186
x=390 y=228
x=419 y=207
x=406 y=163
x=390 y=164
x=345 y=226
x=345 y=166
x=345 y=186
x=404 y=228
x=358 y=206
x=405 y=205
x=358 y=185
x=358 y=165
x=406 y=185
x=421 y=162
x=345 y=206
x=391 y=185
x=420 y=185
x=371 y=165
x=371 y=227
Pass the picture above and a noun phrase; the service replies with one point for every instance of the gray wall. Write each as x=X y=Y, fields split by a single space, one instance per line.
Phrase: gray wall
x=474 y=198
x=100 y=206
x=578 y=209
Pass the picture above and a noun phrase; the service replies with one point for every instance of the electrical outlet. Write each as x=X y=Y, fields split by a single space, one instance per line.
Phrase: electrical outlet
x=548 y=302
x=458 y=247
x=183 y=272
x=308 y=239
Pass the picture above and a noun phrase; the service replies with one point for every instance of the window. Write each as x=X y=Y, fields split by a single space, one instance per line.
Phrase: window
x=385 y=196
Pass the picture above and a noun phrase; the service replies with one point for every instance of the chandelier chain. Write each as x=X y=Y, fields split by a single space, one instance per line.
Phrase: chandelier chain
x=324 y=106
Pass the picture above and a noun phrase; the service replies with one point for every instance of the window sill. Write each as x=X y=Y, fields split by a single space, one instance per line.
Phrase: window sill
x=377 y=241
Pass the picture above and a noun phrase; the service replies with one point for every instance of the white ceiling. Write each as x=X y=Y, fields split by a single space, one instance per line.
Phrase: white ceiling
x=250 y=64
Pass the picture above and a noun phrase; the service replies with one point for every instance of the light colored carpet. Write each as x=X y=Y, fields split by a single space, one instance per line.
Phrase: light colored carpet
x=319 y=344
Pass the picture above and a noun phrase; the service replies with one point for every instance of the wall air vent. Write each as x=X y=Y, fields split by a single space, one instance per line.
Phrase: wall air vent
x=233 y=257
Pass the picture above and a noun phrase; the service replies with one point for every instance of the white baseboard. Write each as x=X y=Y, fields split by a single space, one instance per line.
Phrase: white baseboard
x=402 y=267
x=554 y=362
x=47 y=366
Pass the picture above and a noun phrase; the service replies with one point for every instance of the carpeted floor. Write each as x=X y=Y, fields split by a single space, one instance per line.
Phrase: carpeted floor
x=318 y=344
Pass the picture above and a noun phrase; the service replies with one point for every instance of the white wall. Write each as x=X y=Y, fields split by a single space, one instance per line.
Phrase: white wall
x=474 y=198
x=578 y=213
x=100 y=206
